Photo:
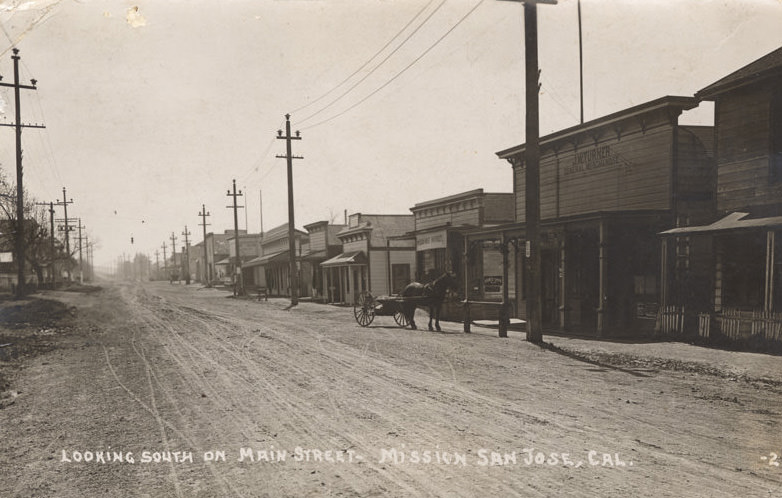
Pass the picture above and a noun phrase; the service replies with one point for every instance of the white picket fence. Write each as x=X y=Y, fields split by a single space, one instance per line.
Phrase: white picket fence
x=670 y=320
x=738 y=324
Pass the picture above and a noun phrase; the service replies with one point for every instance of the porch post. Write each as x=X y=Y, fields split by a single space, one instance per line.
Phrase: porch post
x=504 y=313
x=562 y=284
x=603 y=279
x=769 y=294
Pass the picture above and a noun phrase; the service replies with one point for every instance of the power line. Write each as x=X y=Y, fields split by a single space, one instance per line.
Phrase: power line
x=365 y=64
x=400 y=72
x=372 y=71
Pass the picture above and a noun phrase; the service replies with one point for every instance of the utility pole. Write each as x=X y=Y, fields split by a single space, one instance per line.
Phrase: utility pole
x=165 y=260
x=186 y=257
x=51 y=234
x=294 y=276
x=64 y=204
x=532 y=172
x=19 y=242
x=238 y=280
x=81 y=261
x=173 y=255
x=206 y=275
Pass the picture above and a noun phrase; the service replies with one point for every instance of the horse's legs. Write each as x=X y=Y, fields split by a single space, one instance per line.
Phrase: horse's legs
x=409 y=312
x=436 y=318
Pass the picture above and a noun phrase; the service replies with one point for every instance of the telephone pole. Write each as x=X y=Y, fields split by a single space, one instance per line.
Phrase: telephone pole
x=238 y=280
x=165 y=260
x=173 y=255
x=81 y=261
x=294 y=275
x=186 y=257
x=19 y=242
x=532 y=171
x=157 y=264
x=206 y=275
x=64 y=204
x=53 y=255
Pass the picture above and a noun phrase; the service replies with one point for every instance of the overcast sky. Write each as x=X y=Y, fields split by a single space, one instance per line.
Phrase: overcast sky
x=152 y=108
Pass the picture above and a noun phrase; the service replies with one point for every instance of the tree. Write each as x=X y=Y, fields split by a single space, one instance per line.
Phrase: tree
x=37 y=239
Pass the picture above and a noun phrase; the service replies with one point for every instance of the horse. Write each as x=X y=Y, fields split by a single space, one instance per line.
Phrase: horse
x=429 y=295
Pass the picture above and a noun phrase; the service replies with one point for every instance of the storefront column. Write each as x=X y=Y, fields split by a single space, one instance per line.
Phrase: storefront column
x=769 y=294
x=603 y=279
x=664 y=273
x=562 y=284
x=504 y=312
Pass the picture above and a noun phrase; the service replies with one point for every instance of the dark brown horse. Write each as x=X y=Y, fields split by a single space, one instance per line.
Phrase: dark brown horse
x=430 y=296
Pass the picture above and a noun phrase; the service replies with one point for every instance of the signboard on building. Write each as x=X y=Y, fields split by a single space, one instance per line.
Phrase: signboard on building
x=434 y=240
x=6 y=257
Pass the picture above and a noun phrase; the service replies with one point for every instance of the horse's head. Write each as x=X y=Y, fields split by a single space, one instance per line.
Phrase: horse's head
x=444 y=282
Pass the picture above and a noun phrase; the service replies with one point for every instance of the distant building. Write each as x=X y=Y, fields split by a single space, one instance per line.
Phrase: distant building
x=324 y=244
x=378 y=255
x=271 y=268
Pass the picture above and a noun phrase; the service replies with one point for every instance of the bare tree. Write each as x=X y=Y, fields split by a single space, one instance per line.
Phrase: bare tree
x=37 y=239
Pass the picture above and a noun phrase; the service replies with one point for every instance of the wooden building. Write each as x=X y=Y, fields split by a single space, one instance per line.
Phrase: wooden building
x=440 y=227
x=607 y=188
x=323 y=245
x=378 y=255
x=740 y=244
x=270 y=269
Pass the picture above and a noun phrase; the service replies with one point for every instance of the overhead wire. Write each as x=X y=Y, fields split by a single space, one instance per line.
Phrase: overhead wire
x=372 y=71
x=400 y=73
x=365 y=64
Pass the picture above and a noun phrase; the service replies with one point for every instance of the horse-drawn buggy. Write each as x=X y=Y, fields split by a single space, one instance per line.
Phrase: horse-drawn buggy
x=402 y=307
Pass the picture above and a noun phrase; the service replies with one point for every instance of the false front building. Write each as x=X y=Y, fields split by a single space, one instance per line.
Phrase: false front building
x=607 y=188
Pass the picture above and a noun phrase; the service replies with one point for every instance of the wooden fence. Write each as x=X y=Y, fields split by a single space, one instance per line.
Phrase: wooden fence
x=740 y=325
x=670 y=320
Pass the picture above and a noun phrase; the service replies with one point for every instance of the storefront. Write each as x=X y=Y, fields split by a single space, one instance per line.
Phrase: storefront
x=607 y=187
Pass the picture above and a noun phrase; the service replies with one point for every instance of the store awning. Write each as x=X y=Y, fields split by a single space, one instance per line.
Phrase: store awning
x=225 y=261
x=732 y=222
x=345 y=259
x=276 y=257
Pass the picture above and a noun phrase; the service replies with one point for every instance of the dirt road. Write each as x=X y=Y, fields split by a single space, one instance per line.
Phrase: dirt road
x=172 y=390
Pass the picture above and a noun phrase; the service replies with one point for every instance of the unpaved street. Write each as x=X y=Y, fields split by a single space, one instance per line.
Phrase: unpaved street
x=173 y=390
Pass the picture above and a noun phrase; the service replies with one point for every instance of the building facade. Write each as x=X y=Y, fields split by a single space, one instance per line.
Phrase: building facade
x=740 y=296
x=378 y=256
x=440 y=229
x=270 y=269
x=323 y=245
x=607 y=188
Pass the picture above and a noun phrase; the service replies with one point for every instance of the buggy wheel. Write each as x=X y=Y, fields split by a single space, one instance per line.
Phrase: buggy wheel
x=364 y=309
x=400 y=318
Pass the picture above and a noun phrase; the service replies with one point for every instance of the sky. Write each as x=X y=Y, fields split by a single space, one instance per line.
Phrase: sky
x=153 y=108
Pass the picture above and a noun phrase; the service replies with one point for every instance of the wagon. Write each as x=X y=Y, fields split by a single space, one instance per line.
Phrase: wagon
x=368 y=306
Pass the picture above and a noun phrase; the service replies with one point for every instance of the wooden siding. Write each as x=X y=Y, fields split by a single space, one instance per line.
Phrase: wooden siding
x=631 y=172
x=378 y=273
x=317 y=240
x=498 y=208
x=743 y=125
x=744 y=144
x=695 y=176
